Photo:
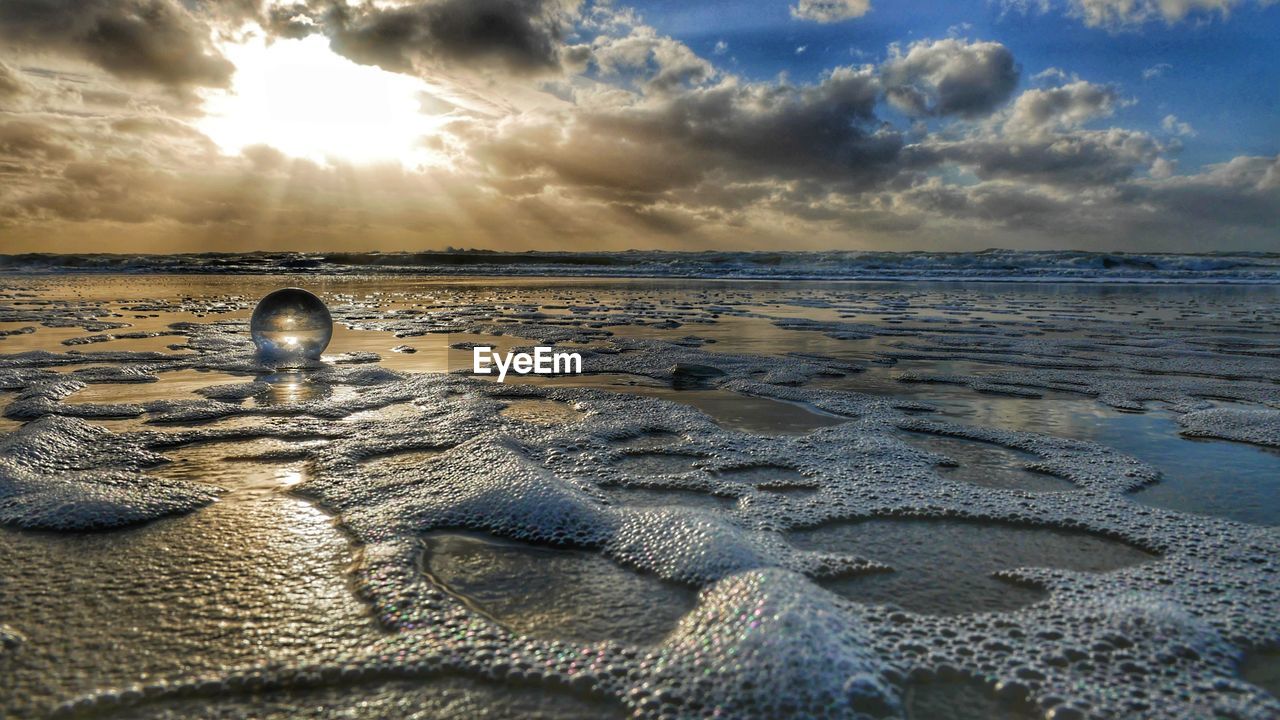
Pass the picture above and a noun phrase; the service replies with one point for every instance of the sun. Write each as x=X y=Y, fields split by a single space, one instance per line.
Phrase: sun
x=301 y=98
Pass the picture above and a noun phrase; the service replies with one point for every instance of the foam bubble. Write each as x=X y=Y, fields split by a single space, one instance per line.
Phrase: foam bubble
x=763 y=644
x=1159 y=638
x=1260 y=426
x=60 y=473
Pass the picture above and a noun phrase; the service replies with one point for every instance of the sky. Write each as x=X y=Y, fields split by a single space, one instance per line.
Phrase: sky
x=323 y=125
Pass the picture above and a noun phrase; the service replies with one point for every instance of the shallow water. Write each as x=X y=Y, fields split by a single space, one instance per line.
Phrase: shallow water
x=945 y=567
x=540 y=412
x=170 y=385
x=447 y=698
x=730 y=410
x=265 y=575
x=986 y=464
x=257 y=575
x=556 y=593
x=1212 y=477
x=1262 y=668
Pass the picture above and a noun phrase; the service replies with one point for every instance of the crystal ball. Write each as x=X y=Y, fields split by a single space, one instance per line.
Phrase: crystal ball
x=291 y=324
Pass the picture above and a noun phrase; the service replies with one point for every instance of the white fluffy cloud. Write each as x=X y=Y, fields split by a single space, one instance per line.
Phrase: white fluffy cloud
x=1174 y=126
x=1130 y=14
x=662 y=64
x=1111 y=13
x=830 y=11
x=1038 y=111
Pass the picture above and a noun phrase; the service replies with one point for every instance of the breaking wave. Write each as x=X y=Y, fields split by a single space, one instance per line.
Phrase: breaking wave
x=987 y=265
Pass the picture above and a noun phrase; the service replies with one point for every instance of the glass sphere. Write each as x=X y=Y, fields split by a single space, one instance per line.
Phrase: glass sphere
x=291 y=324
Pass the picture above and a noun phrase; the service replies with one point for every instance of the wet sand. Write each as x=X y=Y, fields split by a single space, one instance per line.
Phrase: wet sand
x=348 y=530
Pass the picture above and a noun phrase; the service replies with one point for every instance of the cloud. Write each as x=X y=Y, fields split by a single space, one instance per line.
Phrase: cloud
x=949 y=77
x=1079 y=158
x=116 y=183
x=87 y=168
x=11 y=85
x=1235 y=204
x=1119 y=13
x=154 y=40
x=1162 y=168
x=1041 y=139
x=31 y=140
x=1235 y=200
x=1001 y=204
x=825 y=137
x=1053 y=74
x=645 y=143
x=696 y=169
x=524 y=37
x=98 y=193
x=830 y=11
x=1155 y=71
x=655 y=62
x=1172 y=125
x=1068 y=106
x=1132 y=14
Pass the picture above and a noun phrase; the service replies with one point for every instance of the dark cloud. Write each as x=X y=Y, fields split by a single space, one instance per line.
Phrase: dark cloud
x=1077 y=158
x=1232 y=204
x=519 y=36
x=825 y=133
x=1015 y=206
x=154 y=40
x=1244 y=192
x=950 y=77
x=1041 y=139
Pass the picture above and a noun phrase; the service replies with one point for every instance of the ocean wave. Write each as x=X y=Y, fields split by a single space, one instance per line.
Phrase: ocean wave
x=987 y=265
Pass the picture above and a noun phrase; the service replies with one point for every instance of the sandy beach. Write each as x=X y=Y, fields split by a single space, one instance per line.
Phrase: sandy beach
x=769 y=498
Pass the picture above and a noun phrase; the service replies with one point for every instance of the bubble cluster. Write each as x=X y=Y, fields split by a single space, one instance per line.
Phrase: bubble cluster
x=1258 y=426
x=402 y=460
x=61 y=473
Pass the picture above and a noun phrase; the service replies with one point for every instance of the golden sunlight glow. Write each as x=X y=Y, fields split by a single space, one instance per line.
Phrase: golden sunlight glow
x=289 y=478
x=301 y=98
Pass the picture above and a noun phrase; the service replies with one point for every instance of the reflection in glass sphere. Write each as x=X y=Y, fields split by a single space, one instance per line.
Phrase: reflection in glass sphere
x=291 y=324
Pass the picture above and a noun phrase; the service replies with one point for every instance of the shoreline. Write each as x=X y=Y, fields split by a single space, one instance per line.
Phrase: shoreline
x=445 y=275
x=991 y=266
